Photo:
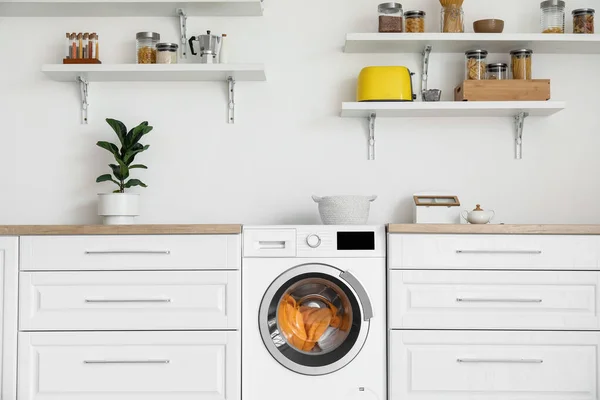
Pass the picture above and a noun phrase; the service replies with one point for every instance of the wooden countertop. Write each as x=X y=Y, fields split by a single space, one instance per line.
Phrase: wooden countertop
x=33 y=230
x=496 y=229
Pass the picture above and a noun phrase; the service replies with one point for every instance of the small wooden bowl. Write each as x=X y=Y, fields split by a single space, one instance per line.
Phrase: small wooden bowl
x=488 y=26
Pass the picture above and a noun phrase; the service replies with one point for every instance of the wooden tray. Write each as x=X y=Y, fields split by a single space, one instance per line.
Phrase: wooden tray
x=504 y=90
x=81 y=61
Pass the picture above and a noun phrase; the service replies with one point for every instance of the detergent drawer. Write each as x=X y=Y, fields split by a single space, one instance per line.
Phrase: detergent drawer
x=129 y=300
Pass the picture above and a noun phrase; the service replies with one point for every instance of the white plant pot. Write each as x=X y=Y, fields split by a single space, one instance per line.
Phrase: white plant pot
x=118 y=208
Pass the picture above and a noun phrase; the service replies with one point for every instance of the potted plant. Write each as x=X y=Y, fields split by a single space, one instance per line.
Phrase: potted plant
x=118 y=207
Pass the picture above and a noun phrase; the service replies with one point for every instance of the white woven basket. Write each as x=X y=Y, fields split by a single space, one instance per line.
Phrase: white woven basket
x=344 y=210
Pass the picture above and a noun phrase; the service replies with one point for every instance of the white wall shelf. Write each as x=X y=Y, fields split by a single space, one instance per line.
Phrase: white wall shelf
x=83 y=74
x=128 y=8
x=517 y=110
x=460 y=42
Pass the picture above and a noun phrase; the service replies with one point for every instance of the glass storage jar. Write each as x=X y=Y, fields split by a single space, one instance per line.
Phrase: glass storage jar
x=146 y=47
x=476 y=64
x=415 y=21
x=452 y=19
x=583 y=20
x=520 y=61
x=391 y=18
x=166 y=53
x=497 y=72
x=553 y=16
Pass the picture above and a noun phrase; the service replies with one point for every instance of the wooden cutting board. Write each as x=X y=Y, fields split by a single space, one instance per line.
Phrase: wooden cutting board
x=503 y=90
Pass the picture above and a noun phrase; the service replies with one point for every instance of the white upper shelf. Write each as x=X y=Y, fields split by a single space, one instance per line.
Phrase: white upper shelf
x=451 y=109
x=461 y=42
x=128 y=8
x=155 y=72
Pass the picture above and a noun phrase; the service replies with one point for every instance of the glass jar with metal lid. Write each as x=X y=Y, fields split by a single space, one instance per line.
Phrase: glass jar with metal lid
x=476 y=64
x=583 y=20
x=415 y=21
x=520 y=61
x=166 y=53
x=391 y=18
x=146 y=47
x=497 y=71
x=553 y=16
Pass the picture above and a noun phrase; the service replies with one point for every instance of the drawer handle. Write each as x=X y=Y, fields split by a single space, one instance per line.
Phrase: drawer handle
x=92 y=252
x=126 y=361
x=271 y=245
x=498 y=252
x=128 y=301
x=500 y=360
x=482 y=300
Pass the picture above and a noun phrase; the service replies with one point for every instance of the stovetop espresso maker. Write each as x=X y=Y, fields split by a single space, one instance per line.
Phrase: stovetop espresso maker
x=210 y=46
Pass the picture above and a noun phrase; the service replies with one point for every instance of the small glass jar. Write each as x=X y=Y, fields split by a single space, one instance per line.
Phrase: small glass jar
x=520 y=64
x=583 y=20
x=553 y=16
x=391 y=18
x=452 y=19
x=415 y=21
x=166 y=53
x=146 y=47
x=476 y=64
x=497 y=72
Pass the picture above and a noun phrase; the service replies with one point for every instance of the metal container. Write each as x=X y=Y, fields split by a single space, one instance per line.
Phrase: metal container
x=146 y=47
x=497 y=72
x=553 y=16
x=475 y=64
x=583 y=20
x=209 y=45
x=415 y=21
x=520 y=61
x=166 y=53
x=391 y=18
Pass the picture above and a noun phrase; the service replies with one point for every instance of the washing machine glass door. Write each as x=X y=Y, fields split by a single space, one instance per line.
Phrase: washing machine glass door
x=314 y=318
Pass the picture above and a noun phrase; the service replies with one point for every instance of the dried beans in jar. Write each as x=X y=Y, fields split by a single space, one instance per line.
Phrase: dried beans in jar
x=391 y=18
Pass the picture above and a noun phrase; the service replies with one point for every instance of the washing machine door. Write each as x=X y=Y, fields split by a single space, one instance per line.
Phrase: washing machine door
x=314 y=318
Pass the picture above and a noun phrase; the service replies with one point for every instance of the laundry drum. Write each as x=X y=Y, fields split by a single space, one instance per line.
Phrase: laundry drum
x=314 y=319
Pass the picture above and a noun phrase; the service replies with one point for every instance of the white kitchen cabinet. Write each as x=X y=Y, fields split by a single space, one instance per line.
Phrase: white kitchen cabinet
x=518 y=252
x=545 y=300
x=479 y=365
x=129 y=366
x=151 y=252
x=129 y=300
x=9 y=250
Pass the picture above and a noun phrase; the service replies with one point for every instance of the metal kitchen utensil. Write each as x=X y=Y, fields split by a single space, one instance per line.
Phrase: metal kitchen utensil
x=432 y=95
x=210 y=46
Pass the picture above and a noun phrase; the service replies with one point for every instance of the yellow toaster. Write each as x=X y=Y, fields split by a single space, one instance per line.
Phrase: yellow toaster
x=385 y=84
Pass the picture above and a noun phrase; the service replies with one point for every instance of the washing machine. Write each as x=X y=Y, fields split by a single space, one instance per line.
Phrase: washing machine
x=313 y=313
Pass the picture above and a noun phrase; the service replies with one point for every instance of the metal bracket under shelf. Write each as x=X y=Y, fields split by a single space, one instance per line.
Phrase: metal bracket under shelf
x=231 y=91
x=425 y=70
x=84 y=86
x=519 y=125
x=372 y=119
x=183 y=29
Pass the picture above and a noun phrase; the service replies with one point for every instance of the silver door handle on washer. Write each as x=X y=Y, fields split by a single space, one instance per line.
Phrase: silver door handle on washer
x=126 y=361
x=498 y=252
x=500 y=360
x=91 y=252
x=362 y=294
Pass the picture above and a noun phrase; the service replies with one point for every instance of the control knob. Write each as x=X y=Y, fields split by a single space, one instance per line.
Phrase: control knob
x=313 y=241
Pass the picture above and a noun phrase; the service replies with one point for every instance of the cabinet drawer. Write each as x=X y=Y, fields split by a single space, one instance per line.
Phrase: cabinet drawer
x=129 y=366
x=130 y=252
x=129 y=300
x=436 y=365
x=494 y=252
x=552 y=300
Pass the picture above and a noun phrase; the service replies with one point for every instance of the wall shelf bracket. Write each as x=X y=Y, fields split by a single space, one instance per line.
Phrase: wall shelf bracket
x=425 y=70
x=84 y=88
x=372 y=118
x=519 y=124
x=231 y=91
x=183 y=29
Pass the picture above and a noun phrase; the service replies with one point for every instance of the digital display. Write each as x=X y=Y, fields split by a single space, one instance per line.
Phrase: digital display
x=356 y=240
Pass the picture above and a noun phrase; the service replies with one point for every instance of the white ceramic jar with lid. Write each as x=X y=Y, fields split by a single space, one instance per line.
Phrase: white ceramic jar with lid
x=553 y=16
x=166 y=53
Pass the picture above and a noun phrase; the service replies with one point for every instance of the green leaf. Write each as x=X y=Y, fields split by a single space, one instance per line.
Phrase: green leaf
x=136 y=134
x=112 y=148
x=135 y=182
x=104 y=178
x=124 y=169
x=140 y=166
x=130 y=155
x=119 y=128
x=116 y=171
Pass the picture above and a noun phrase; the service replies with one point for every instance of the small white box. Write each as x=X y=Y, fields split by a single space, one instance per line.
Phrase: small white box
x=436 y=209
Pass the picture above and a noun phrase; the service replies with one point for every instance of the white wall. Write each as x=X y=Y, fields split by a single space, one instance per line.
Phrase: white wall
x=288 y=142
